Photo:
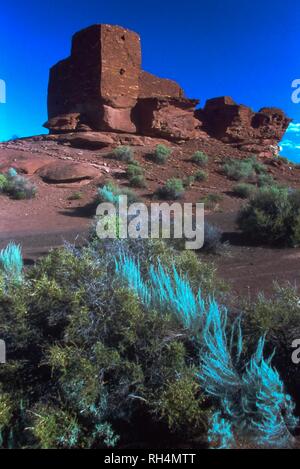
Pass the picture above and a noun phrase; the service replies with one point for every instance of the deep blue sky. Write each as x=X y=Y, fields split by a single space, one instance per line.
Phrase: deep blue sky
x=248 y=49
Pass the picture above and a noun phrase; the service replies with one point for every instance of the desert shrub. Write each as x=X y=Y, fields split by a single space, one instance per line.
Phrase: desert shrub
x=188 y=181
x=137 y=181
x=17 y=186
x=272 y=216
x=76 y=196
x=265 y=180
x=117 y=338
x=181 y=406
x=244 y=190
x=212 y=239
x=161 y=154
x=258 y=167
x=251 y=395
x=134 y=169
x=172 y=189
x=246 y=169
x=201 y=176
x=111 y=192
x=200 y=158
x=3 y=182
x=239 y=169
x=278 y=317
x=123 y=153
x=211 y=201
x=92 y=364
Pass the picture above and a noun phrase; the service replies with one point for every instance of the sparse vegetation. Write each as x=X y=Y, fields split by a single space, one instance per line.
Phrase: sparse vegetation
x=239 y=169
x=276 y=316
x=172 y=189
x=200 y=158
x=243 y=170
x=213 y=239
x=134 y=169
x=201 y=176
x=3 y=182
x=16 y=186
x=211 y=201
x=265 y=180
x=137 y=181
x=272 y=216
x=244 y=190
x=161 y=154
x=110 y=193
x=188 y=181
x=135 y=174
x=76 y=196
x=124 y=153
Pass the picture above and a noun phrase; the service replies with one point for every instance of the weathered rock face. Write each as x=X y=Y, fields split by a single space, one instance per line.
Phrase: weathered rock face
x=102 y=74
x=101 y=88
x=171 y=118
x=151 y=86
x=251 y=131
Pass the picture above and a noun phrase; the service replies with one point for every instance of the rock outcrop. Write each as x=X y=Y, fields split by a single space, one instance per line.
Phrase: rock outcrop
x=102 y=88
x=256 y=132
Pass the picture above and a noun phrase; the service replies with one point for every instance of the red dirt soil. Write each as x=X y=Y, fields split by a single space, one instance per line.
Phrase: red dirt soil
x=49 y=219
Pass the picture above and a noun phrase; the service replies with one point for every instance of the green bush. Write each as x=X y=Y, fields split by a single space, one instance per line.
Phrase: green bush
x=239 y=170
x=265 y=180
x=200 y=158
x=115 y=344
x=278 y=317
x=244 y=190
x=161 y=154
x=258 y=167
x=76 y=196
x=188 y=181
x=181 y=406
x=173 y=189
x=272 y=216
x=17 y=186
x=110 y=193
x=134 y=169
x=3 y=182
x=124 y=153
x=201 y=176
x=89 y=366
x=137 y=181
x=210 y=201
x=243 y=170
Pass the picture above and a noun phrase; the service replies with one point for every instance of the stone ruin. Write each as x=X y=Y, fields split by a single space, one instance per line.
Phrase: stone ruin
x=102 y=88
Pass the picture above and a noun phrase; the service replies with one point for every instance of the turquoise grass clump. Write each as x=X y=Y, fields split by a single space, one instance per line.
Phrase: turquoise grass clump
x=11 y=262
x=106 y=195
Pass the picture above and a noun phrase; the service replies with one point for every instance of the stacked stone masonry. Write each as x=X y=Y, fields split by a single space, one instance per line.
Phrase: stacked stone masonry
x=101 y=87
